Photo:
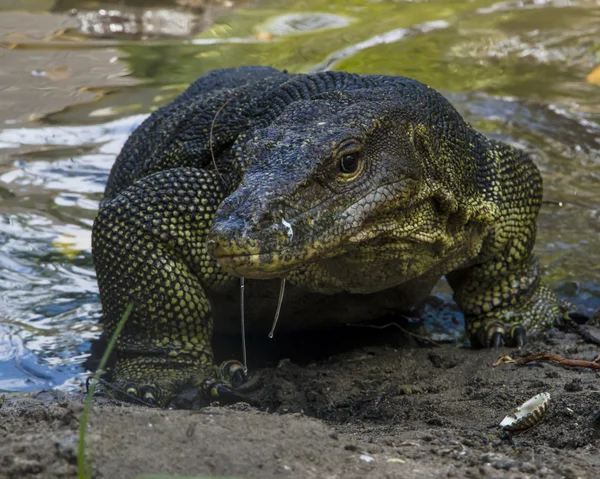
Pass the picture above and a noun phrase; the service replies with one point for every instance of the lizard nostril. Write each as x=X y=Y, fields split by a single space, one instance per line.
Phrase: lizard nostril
x=265 y=220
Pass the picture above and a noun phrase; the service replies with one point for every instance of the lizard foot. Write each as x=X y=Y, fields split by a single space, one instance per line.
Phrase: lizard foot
x=493 y=332
x=159 y=383
x=512 y=326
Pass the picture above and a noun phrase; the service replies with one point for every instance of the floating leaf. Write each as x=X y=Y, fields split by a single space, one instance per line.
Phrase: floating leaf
x=58 y=73
x=594 y=76
x=71 y=244
x=264 y=36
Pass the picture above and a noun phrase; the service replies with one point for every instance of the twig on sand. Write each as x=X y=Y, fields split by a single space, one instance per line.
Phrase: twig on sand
x=548 y=356
x=396 y=325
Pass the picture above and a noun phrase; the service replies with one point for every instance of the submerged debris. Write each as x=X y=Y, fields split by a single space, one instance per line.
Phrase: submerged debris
x=528 y=414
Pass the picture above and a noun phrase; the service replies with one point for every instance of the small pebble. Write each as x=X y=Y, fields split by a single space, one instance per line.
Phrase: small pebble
x=283 y=470
x=574 y=385
x=365 y=458
x=498 y=461
x=528 y=468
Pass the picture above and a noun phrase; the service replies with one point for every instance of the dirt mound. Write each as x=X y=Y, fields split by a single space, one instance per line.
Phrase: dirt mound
x=374 y=411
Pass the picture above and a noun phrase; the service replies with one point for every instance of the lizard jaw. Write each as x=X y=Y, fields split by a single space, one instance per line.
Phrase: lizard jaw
x=254 y=266
x=248 y=264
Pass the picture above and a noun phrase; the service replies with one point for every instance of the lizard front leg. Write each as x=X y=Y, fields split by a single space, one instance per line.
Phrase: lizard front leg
x=149 y=248
x=505 y=308
x=500 y=291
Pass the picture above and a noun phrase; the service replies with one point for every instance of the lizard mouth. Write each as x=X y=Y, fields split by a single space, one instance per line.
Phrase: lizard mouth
x=249 y=261
x=274 y=252
x=255 y=266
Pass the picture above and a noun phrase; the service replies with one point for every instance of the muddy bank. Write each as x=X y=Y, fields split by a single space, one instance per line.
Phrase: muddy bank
x=376 y=410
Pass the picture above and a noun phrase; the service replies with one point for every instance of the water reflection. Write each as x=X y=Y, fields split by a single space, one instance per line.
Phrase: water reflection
x=515 y=69
x=49 y=299
x=304 y=22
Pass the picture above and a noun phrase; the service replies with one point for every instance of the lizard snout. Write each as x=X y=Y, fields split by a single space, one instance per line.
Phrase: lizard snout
x=248 y=234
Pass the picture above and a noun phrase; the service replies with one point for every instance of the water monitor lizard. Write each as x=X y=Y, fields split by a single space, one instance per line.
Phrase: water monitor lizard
x=362 y=191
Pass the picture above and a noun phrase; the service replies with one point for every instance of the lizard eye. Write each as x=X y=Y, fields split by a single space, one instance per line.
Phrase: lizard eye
x=349 y=163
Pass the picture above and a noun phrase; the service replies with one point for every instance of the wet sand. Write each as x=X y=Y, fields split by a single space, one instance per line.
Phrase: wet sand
x=375 y=411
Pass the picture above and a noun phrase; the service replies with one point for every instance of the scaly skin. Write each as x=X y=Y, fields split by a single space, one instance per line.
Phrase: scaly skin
x=341 y=184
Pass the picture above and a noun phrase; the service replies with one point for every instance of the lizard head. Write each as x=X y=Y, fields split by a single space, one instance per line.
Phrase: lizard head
x=353 y=175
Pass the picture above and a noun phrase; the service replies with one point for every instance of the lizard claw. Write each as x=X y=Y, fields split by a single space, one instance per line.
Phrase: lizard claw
x=519 y=336
x=221 y=392
x=132 y=392
x=148 y=396
x=495 y=335
x=145 y=395
x=233 y=372
x=496 y=340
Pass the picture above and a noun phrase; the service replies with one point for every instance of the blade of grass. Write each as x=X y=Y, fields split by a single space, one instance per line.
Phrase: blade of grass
x=83 y=469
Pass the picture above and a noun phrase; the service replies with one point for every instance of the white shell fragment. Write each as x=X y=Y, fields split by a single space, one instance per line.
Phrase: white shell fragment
x=528 y=414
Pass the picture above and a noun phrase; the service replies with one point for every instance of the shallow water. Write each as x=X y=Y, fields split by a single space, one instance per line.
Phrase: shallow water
x=75 y=80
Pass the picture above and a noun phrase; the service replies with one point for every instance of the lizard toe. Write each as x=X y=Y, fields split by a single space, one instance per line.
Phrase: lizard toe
x=233 y=372
x=132 y=391
x=224 y=393
x=496 y=340
x=488 y=334
x=519 y=336
x=148 y=394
